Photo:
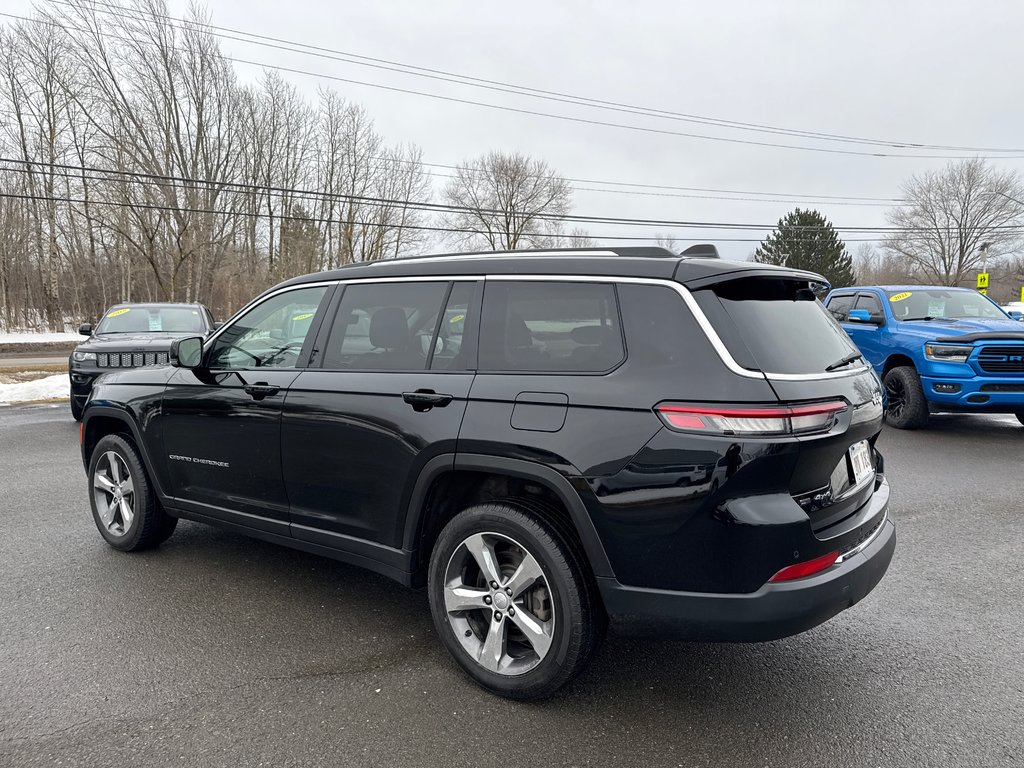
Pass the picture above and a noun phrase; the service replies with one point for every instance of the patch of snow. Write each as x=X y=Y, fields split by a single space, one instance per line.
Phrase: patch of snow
x=50 y=388
x=38 y=338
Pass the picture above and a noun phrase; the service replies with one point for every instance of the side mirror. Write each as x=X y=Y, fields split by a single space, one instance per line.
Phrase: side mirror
x=85 y=329
x=1016 y=315
x=187 y=352
x=864 y=316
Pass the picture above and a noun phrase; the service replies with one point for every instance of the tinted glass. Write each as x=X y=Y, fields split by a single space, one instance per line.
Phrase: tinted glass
x=937 y=303
x=838 y=306
x=271 y=334
x=556 y=326
x=454 y=348
x=385 y=326
x=141 y=318
x=775 y=325
x=870 y=303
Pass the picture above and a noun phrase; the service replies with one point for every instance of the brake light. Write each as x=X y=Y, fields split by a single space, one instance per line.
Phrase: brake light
x=806 y=568
x=764 y=420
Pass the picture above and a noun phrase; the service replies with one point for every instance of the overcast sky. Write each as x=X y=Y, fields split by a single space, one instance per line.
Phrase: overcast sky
x=928 y=72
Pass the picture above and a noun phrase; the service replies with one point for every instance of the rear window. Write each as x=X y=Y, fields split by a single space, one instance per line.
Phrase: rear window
x=775 y=325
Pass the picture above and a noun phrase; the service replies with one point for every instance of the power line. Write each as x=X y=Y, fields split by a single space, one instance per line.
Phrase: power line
x=804 y=198
x=573 y=119
x=270 y=41
x=424 y=206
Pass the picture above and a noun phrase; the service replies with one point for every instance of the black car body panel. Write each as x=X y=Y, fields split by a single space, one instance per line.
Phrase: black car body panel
x=362 y=463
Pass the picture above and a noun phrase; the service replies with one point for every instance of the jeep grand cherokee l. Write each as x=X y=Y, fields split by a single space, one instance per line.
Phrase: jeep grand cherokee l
x=545 y=440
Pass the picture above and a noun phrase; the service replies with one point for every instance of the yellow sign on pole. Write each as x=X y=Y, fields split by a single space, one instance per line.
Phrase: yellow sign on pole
x=1022 y=293
x=982 y=280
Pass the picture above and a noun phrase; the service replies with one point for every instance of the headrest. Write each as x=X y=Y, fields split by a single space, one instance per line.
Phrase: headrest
x=389 y=329
x=517 y=333
x=590 y=335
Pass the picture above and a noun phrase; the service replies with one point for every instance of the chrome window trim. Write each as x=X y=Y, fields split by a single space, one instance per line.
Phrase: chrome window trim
x=705 y=325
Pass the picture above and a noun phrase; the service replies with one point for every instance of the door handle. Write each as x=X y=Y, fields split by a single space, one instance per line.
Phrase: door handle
x=424 y=399
x=260 y=390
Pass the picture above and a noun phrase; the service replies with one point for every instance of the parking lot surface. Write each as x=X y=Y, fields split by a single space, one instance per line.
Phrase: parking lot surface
x=219 y=650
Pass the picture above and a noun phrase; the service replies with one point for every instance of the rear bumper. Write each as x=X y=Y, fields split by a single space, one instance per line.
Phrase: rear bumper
x=981 y=394
x=774 y=611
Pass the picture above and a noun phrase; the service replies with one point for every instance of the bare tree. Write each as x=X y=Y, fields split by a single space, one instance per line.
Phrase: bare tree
x=955 y=218
x=669 y=242
x=506 y=202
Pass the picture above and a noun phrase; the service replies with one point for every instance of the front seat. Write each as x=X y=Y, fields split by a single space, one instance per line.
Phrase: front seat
x=389 y=333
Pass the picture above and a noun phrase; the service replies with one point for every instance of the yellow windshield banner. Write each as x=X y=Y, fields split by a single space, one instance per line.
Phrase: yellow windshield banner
x=117 y=312
x=305 y=316
x=900 y=296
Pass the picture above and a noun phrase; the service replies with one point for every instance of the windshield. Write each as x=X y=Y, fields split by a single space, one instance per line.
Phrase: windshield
x=777 y=326
x=942 y=304
x=152 y=318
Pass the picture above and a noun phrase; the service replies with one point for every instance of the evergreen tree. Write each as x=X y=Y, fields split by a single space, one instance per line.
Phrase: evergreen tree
x=807 y=240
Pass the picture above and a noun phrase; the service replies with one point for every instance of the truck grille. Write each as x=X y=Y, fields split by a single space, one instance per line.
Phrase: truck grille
x=130 y=359
x=1001 y=359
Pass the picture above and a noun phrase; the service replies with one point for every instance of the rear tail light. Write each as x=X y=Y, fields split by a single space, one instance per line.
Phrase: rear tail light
x=767 y=420
x=806 y=568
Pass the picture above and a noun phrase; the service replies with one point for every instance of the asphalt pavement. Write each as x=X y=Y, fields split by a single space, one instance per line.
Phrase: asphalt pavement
x=219 y=650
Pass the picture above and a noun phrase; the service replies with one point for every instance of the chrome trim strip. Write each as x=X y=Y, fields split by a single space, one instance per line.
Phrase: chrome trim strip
x=705 y=325
x=866 y=543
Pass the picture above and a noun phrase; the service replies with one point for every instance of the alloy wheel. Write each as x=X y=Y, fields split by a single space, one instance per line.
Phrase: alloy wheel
x=897 y=396
x=114 y=493
x=498 y=603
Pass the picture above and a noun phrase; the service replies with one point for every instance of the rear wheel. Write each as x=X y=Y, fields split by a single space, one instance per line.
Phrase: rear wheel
x=124 y=505
x=512 y=601
x=907 y=407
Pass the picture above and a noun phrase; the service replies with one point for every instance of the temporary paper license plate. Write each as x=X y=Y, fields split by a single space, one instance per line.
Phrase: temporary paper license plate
x=860 y=460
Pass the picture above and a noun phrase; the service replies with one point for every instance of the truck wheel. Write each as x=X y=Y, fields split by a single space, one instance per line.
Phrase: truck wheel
x=124 y=505
x=76 y=409
x=907 y=407
x=512 y=600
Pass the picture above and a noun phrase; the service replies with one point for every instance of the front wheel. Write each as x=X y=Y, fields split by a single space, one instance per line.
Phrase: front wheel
x=76 y=409
x=124 y=505
x=512 y=600
x=907 y=407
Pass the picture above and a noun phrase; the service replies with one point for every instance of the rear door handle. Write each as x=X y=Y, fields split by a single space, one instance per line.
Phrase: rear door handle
x=260 y=390
x=424 y=399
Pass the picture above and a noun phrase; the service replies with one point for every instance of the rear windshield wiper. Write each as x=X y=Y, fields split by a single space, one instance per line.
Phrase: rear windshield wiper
x=845 y=361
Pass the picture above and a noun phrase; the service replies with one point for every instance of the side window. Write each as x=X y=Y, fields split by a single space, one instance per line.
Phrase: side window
x=838 y=306
x=454 y=349
x=385 y=326
x=870 y=303
x=271 y=334
x=550 y=326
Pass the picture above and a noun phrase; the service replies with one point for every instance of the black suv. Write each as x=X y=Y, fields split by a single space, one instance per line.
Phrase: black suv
x=542 y=439
x=131 y=336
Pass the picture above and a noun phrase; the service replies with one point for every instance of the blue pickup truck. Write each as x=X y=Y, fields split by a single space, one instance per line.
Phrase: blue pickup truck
x=936 y=349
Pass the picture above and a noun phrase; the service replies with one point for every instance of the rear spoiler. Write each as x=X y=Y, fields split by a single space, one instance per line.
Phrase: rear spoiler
x=984 y=336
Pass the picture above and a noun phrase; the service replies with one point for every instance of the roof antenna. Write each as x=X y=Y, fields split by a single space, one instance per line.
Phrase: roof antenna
x=701 y=251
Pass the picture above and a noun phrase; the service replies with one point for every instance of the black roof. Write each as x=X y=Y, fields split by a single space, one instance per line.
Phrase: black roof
x=606 y=262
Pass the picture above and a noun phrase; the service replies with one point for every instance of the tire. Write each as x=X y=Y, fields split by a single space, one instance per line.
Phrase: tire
x=124 y=505
x=561 y=606
x=76 y=409
x=907 y=408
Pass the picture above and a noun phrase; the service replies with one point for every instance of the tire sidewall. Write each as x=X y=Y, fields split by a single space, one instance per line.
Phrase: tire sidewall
x=915 y=406
x=476 y=520
x=141 y=501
